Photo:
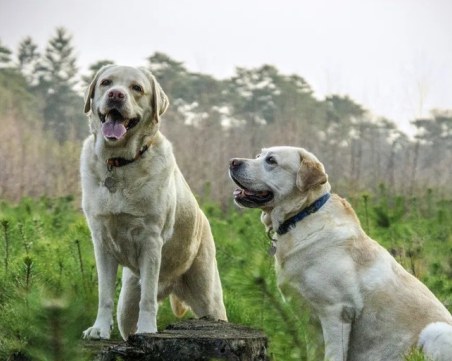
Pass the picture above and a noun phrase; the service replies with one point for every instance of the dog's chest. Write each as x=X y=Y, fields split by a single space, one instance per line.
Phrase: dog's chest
x=116 y=219
x=124 y=236
x=116 y=192
x=300 y=267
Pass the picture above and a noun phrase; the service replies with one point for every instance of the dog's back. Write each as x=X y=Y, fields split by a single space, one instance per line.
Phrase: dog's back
x=398 y=309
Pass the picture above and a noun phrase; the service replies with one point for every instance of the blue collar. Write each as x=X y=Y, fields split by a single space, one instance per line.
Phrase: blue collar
x=291 y=222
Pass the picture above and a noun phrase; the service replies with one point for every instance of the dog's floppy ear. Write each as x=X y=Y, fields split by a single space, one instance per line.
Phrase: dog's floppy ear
x=89 y=93
x=310 y=174
x=159 y=100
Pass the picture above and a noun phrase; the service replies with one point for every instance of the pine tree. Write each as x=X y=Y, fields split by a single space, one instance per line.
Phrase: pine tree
x=58 y=66
x=171 y=74
x=5 y=56
x=57 y=72
x=28 y=57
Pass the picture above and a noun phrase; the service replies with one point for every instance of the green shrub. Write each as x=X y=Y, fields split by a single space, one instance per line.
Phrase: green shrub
x=48 y=283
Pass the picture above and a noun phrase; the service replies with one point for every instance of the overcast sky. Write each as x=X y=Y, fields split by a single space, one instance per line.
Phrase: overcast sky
x=392 y=56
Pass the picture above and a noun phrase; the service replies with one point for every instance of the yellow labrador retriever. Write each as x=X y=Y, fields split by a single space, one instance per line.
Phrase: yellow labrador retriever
x=141 y=212
x=370 y=308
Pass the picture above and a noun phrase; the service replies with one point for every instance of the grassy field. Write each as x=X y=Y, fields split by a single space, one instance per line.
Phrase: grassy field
x=48 y=284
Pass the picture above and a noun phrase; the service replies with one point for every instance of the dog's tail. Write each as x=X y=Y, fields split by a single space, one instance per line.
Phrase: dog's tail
x=179 y=308
x=435 y=341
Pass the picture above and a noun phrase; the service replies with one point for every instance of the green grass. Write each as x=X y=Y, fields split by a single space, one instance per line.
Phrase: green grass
x=48 y=284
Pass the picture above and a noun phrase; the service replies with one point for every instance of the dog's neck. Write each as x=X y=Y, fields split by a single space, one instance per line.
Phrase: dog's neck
x=273 y=218
x=118 y=162
x=290 y=223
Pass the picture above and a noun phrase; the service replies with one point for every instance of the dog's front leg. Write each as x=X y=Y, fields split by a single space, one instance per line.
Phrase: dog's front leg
x=107 y=267
x=336 y=326
x=150 y=260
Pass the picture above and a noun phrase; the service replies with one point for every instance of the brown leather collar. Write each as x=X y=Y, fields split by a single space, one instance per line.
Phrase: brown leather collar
x=121 y=162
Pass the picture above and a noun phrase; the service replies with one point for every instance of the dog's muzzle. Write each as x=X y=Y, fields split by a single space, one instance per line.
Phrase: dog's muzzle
x=115 y=125
x=246 y=195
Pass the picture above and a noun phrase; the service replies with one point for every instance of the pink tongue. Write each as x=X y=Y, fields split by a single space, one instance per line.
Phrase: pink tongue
x=113 y=129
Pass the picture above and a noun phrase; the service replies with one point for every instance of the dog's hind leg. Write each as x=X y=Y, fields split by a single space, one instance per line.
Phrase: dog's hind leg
x=200 y=289
x=200 y=286
x=128 y=304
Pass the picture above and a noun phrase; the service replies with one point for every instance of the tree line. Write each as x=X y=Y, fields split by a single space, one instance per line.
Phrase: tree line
x=209 y=121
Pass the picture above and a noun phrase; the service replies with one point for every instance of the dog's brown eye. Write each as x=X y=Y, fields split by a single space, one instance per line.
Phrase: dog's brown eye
x=271 y=160
x=137 y=88
x=105 y=82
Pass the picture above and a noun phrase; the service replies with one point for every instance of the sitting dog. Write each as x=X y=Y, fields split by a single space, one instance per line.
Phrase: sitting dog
x=141 y=212
x=369 y=307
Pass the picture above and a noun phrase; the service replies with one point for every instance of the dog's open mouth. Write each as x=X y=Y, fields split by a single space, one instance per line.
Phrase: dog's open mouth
x=251 y=198
x=115 y=125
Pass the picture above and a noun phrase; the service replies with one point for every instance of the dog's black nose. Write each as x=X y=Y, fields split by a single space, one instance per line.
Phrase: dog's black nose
x=235 y=163
x=116 y=95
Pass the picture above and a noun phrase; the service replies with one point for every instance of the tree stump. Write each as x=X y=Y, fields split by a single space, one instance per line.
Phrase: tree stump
x=192 y=340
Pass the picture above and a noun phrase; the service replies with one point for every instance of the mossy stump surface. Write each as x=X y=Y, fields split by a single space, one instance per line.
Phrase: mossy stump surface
x=191 y=340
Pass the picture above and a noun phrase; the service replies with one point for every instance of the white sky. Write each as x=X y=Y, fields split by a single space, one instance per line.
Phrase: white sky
x=392 y=56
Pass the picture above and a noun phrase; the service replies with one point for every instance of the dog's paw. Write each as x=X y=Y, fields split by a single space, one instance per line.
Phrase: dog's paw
x=147 y=330
x=96 y=333
x=147 y=322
